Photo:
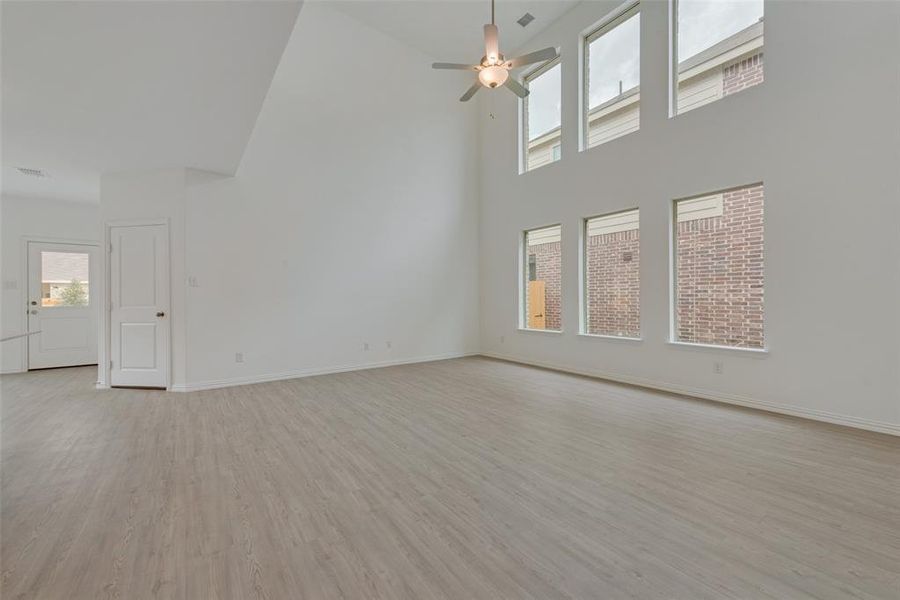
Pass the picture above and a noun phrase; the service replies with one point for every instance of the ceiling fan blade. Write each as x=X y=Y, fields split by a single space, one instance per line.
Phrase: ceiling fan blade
x=533 y=57
x=491 y=43
x=457 y=66
x=470 y=92
x=516 y=88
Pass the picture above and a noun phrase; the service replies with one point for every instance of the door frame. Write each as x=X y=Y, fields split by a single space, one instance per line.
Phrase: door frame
x=106 y=295
x=23 y=294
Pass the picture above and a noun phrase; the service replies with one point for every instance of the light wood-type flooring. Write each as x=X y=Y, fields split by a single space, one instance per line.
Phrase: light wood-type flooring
x=461 y=479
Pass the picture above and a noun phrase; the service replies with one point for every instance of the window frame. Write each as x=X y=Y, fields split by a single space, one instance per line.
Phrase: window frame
x=609 y=22
x=673 y=277
x=673 y=61
x=86 y=283
x=523 y=279
x=583 y=328
x=525 y=79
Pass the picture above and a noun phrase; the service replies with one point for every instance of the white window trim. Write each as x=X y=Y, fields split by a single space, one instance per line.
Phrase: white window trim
x=600 y=336
x=598 y=29
x=759 y=352
x=526 y=78
x=673 y=58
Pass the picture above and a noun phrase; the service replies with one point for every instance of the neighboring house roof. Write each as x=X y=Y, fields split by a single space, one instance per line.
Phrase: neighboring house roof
x=615 y=223
x=730 y=43
x=63 y=267
x=548 y=235
x=545 y=137
x=614 y=103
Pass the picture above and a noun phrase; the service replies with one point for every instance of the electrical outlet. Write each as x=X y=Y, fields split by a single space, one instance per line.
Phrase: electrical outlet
x=192 y=282
x=718 y=367
x=238 y=357
x=388 y=344
x=365 y=346
x=502 y=339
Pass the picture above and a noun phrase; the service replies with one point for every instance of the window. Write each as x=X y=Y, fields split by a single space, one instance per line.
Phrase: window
x=612 y=70
x=541 y=112
x=719 y=269
x=542 y=285
x=64 y=279
x=719 y=49
x=612 y=275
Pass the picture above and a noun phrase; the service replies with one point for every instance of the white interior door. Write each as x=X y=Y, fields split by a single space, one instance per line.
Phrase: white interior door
x=139 y=309
x=62 y=305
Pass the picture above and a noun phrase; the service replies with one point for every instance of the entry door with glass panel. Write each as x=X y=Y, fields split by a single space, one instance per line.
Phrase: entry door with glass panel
x=62 y=305
x=139 y=309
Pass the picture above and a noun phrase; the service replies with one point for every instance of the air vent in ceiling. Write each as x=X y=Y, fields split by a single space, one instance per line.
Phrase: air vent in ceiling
x=525 y=19
x=31 y=172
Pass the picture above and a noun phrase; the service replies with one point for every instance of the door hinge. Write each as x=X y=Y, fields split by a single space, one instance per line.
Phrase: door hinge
x=110 y=364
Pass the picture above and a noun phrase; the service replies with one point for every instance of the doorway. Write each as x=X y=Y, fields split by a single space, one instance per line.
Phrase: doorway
x=139 y=329
x=62 y=304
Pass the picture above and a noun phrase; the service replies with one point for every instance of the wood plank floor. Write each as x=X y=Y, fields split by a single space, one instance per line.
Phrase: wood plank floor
x=469 y=478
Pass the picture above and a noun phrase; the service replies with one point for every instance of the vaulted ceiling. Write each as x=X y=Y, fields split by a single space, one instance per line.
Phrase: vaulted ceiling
x=93 y=87
x=450 y=30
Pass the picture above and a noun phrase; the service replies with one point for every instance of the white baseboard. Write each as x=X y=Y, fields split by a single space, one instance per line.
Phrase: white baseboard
x=784 y=409
x=233 y=381
x=13 y=371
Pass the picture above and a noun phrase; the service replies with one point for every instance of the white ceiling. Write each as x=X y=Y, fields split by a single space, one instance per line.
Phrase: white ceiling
x=451 y=30
x=94 y=87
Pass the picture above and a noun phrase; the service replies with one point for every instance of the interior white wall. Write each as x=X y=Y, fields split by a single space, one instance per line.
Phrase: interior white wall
x=351 y=220
x=821 y=132
x=139 y=196
x=30 y=217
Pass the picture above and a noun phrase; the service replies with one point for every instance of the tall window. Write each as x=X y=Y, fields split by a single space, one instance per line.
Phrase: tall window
x=542 y=116
x=719 y=48
x=612 y=70
x=719 y=268
x=542 y=279
x=612 y=277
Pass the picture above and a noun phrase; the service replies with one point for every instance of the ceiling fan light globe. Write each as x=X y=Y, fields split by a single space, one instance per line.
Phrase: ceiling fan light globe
x=493 y=76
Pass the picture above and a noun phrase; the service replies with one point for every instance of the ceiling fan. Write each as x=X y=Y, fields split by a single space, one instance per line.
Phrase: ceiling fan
x=493 y=70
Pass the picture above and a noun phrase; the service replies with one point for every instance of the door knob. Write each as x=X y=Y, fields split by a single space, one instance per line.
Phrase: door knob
x=34 y=302
x=160 y=314
x=34 y=312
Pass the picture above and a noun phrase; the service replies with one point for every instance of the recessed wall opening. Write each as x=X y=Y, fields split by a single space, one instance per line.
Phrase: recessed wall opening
x=542 y=116
x=542 y=279
x=612 y=79
x=719 y=269
x=718 y=50
x=612 y=275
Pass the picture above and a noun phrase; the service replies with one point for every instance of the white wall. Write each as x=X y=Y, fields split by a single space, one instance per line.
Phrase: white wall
x=832 y=213
x=352 y=218
x=22 y=217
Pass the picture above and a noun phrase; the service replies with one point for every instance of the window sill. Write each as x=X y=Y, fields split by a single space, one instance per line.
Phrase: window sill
x=621 y=338
x=757 y=352
x=529 y=330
